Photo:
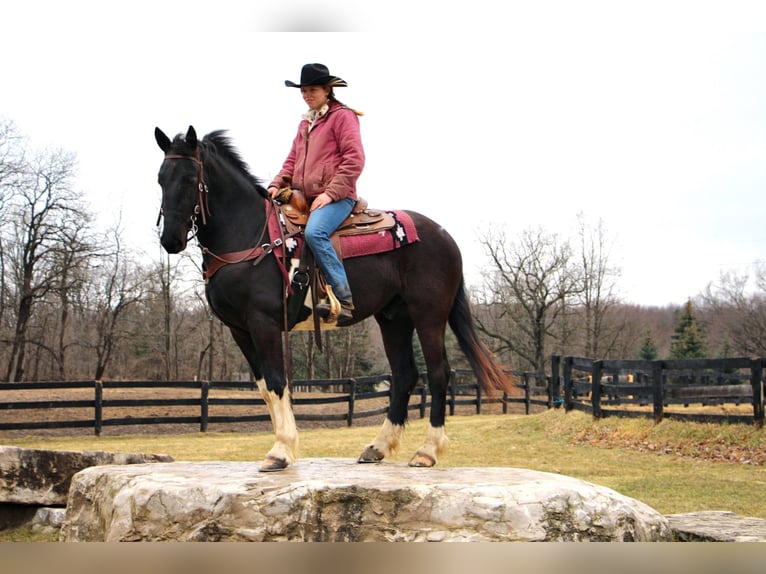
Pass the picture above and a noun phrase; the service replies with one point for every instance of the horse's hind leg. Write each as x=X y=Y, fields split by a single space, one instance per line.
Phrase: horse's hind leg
x=432 y=344
x=396 y=329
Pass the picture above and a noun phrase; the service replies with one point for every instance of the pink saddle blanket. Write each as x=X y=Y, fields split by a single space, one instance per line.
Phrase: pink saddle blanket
x=402 y=233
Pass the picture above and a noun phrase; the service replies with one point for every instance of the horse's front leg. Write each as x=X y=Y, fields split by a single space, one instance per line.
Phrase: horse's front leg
x=276 y=393
x=265 y=359
x=285 y=449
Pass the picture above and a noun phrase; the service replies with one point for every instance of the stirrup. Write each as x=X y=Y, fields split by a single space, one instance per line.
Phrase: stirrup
x=334 y=310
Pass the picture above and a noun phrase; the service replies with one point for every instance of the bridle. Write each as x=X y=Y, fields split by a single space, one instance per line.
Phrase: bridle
x=203 y=207
x=255 y=254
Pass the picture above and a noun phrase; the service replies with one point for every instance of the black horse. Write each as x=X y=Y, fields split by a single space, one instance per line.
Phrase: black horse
x=208 y=191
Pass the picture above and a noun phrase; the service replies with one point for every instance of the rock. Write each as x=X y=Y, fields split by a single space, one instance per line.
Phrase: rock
x=340 y=500
x=47 y=519
x=42 y=477
x=717 y=526
x=36 y=518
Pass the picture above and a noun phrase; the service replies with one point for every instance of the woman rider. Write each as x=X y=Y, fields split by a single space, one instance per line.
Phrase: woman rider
x=325 y=161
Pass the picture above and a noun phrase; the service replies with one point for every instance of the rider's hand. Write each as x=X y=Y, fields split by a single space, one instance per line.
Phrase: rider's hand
x=320 y=201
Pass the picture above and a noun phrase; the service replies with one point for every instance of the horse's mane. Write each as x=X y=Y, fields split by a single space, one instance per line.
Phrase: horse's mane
x=225 y=148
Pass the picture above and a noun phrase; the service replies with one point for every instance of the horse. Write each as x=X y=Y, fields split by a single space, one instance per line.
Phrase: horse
x=208 y=192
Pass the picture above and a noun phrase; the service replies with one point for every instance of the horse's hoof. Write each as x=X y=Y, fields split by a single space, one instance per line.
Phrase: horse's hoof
x=422 y=460
x=273 y=464
x=370 y=454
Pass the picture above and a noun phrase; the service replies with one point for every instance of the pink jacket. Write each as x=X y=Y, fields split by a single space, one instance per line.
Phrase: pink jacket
x=329 y=158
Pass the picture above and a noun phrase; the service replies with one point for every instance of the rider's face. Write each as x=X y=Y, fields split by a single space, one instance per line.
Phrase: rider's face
x=315 y=96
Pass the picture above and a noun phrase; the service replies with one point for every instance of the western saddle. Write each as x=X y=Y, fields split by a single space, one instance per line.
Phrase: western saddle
x=295 y=210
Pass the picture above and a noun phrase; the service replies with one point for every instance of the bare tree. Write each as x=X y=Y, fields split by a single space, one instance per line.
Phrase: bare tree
x=597 y=296
x=12 y=151
x=737 y=313
x=11 y=165
x=116 y=285
x=173 y=309
x=72 y=260
x=530 y=283
x=42 y=205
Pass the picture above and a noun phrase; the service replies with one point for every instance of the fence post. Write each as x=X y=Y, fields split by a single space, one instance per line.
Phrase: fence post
x=595 y=388
x=452 y=383
x=423 y=390
x=657 y=390
x=527 y=393
x=204 y=405
x=98 y=416
x=351 y=400
x=568 y=391
x=554 y=388
x=756 y=380
x=478 y=398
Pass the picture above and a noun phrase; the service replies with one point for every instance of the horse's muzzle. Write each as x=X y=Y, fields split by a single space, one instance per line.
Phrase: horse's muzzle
x=173 y=242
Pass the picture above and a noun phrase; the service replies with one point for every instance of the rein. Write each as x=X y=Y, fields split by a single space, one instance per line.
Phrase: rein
x=255 y=254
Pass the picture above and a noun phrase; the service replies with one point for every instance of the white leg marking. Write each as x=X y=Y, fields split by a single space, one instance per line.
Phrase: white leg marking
x=266 y=396
x=389 y=437
x=434 y=445
x=282 y=418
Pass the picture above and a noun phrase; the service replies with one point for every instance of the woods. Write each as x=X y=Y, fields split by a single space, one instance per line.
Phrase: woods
x=77 y=302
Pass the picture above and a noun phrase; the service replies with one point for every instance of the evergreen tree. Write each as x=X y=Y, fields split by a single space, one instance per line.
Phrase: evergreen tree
x=648 y=351
x=688 y=339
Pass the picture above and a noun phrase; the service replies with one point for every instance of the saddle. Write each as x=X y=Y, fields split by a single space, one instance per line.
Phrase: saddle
x=307 y=277
x=361 y=220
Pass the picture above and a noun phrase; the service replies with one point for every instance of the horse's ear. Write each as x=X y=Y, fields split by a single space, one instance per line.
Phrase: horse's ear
x=162 y=140
x=191 y=137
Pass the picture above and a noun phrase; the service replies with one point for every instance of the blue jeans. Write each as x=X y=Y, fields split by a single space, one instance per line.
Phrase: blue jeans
x=322 y=222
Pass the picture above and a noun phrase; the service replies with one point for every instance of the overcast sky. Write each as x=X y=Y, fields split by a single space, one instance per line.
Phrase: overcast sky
x=649 y=116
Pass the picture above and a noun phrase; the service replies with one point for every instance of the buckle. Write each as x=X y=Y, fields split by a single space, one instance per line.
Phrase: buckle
x=269 y=247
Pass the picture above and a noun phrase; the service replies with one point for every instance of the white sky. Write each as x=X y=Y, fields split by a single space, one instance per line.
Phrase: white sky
x=648 y=115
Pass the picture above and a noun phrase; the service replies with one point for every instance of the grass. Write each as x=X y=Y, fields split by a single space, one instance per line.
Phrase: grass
x=674 y=467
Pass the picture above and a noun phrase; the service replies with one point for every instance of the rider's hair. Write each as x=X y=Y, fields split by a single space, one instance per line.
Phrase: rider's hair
x=332 y=98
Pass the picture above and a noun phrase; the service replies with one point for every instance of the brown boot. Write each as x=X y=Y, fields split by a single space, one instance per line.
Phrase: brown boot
x=346 y=310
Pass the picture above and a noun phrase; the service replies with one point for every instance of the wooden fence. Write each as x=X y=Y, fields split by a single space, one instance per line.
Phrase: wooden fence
x=595 y=385
x=463 y=390
x=621 y=384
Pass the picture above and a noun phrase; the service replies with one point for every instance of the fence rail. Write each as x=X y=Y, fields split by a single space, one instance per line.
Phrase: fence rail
x=622 y=384
x=594 y=385
x=354 y=393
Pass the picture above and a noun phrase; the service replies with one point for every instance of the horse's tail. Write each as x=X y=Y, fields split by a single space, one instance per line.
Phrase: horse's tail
x=490 y=374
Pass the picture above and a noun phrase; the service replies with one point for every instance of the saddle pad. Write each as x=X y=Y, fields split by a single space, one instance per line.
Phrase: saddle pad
x=402 y=233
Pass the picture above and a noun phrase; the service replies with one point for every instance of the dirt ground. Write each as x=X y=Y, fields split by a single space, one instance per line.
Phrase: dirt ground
x=136 y=412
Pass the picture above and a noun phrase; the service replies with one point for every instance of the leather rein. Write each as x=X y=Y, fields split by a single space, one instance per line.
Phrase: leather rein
x=255 y=254
x=202 y=208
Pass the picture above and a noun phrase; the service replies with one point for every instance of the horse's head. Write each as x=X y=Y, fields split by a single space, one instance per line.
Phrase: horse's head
x=180 y=177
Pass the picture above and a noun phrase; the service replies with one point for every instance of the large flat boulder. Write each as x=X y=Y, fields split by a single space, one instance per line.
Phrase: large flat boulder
x=717 y=526
x=340 y=500
x=42 y=477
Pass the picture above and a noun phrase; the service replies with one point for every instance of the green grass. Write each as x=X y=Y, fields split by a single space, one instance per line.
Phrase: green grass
x=674 y=467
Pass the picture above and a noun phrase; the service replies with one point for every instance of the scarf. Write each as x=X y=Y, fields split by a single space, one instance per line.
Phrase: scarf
x=312 y=116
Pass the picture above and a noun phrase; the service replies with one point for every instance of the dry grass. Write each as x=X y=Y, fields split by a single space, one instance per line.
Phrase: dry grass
x=674 y=466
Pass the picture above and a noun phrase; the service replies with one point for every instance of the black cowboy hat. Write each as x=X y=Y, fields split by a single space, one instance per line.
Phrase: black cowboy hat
x=316 y=75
